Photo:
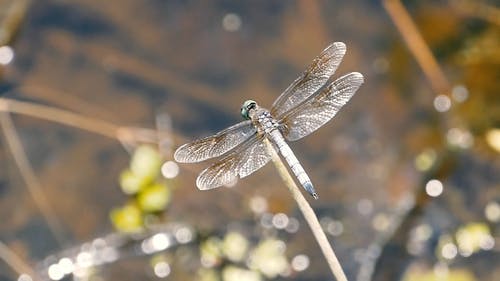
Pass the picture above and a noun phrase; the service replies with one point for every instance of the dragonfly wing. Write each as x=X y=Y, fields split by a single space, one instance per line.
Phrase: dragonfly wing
x=215 y=145
x=322 y=107
x=315 y=76
x=241 y=162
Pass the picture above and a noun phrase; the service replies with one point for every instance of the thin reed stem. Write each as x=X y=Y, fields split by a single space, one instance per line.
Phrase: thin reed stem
x=68 y=118
x=309 y=215
x=417 y=46
x=15 y=262
x=125 y=135
x=27 y=173
x=12 y=18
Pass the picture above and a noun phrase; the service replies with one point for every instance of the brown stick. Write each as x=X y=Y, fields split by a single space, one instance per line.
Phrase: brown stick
x=309 y=215
x=417 y=46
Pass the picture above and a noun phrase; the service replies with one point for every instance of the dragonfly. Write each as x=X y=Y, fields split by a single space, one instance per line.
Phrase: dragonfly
x=306 y=105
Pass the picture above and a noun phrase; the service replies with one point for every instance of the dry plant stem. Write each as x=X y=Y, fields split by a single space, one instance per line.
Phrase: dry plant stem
x=420 y=50
x=309 y=215
x=11 y=19
x=63 y=99
x=124 y=134
x=15 y=262
x=59 y=116
x=28 y=175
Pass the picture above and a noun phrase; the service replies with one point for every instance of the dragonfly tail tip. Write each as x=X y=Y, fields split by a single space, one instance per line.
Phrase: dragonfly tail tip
x=310 y=189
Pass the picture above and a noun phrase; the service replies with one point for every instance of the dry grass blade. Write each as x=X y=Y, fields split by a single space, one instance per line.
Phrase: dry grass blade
x=68 y=118
x=417 y=46
x=34 y=187
x=15 y=262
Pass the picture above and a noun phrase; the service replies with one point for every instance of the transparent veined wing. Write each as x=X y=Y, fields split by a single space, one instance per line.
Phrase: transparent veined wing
x=315 y=76
x=241 y=162
x=319 y=109
x=215 y=145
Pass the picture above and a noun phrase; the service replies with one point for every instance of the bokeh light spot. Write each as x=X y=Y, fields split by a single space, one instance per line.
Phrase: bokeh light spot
x=280 y=220
x=6 y=55
x=492 y=211
x=162 y=269
x=460 y=93
x=160 y=241
x=293 y=225
x=335 y=227
x=380 y=222
x=24 y=277
x=84 y=259
x=434 y=188
x=258 y=204
x=231 y=22
x=55 y=272
x=66 y=265
x=493 y=139
x=109 y=254
x=442 y=103
x=460 y=138
x=184 y=235
x=300 y=262
x=449 y=251
x=170 y=169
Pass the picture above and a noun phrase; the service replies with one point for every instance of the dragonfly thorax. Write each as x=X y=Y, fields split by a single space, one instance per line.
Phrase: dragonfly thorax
x=262 y=119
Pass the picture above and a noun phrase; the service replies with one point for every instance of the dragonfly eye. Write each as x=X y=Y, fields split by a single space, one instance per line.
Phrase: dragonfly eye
x=245 y=108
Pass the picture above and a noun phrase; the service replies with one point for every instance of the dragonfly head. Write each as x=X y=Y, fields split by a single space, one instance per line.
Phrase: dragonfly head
x=245 y=108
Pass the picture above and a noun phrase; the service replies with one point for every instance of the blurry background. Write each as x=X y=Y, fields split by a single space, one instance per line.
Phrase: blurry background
x=408 y=172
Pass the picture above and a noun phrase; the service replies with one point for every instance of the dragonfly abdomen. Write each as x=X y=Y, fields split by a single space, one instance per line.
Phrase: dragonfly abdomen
x=293 y=162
